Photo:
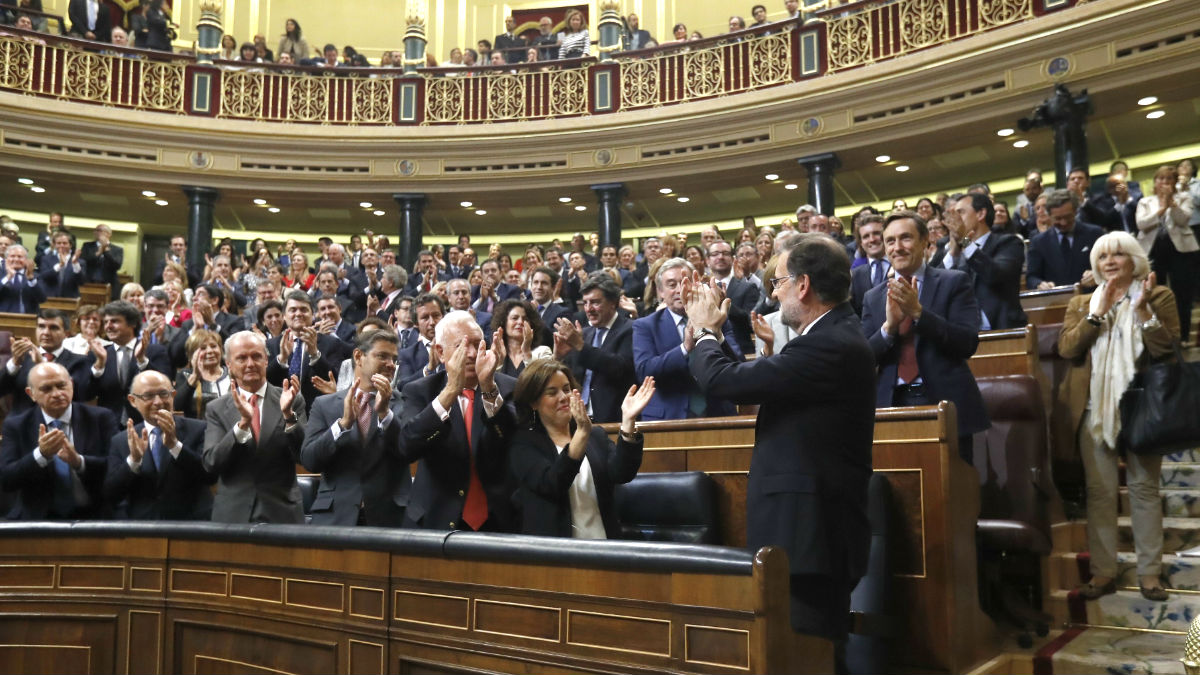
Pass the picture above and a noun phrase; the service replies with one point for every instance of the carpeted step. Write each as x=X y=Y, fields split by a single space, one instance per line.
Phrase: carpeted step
x=1125 y=609
x=1178 y=503
x=1106 y=651
x=1180 y=475
x=1182 y=572
x=1178 y=534
x=1187 y=456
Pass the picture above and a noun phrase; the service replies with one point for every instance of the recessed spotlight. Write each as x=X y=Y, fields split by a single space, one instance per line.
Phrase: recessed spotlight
x=160 y=202
x=37 y=188
x=366 y=205
x=902 y=168
x=480 y=212
x=1148 y=100
x=664 y=191
x=274 y=209
x=883 y=158
x=772 y=176
x=1020 y=144
x=260 y=202
x=564 y=200
x=790 y=186
x=1004 y=132
x=466 y=205
x=1156 y=114
x=683 y=200
x=379 y=212
x=25 y=181
x=580 y=207
x=149 y=193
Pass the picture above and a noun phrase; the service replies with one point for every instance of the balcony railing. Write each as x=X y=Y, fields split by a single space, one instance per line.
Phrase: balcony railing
x=849 y=36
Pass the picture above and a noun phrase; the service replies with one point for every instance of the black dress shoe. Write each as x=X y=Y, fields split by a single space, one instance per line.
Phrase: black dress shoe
x=1090 y=591
x=1156 y=594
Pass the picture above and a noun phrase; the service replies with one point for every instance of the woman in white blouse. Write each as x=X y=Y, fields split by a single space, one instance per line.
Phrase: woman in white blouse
x=1168 y=209
x=573 y=42
x=566 y=476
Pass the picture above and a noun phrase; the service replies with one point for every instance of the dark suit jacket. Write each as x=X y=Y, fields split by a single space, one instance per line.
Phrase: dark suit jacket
x=91 y=430
x=995 y=271
x=550 y=315
x=25 y=297
x=44 y=244
x=503 y=292
x=812 y=454
x=179 y=490
x=860 y=283
x=656 y=352
x=78 y=367
x=544 y=476
x=1102 y=209
x=352 y=289
x=414 y=286
x=743 y=296
x=1045 y=258
x=413 y=360
x=612 y=368
x=257 y=479
x=333 y=352
x=371 y=472
x=636 y=39
x=346 y=332
x=444 y=460
x=946 y=336
x=102 y=268
x=107 y=389
x=510 y=41
x=226 y=325
x=61 y=284
x=77 y=11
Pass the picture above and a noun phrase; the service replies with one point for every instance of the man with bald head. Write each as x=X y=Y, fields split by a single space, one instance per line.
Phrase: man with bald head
x=253 y=438
x=155 y=467
x=456 y=426
x=54 y=455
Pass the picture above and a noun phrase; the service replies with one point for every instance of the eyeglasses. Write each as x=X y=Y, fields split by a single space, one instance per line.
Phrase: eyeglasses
x=779 y=281
x=151 y=395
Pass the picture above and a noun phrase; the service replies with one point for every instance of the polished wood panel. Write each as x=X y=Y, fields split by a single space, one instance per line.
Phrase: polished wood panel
x=95 y=294
x=1048 y=306
x=20 y=325
x=68 y=305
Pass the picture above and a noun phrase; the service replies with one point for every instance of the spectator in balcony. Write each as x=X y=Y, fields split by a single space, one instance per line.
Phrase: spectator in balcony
x=509 y=44
x=470 y=58
x=696 y=35
x=158 y=25
x=119 y=37
x=229 y=48
x=760 y=16
x=546 y=42
x=248 y=54
x=574 y=41
x=792 y=7
x=680 y=33
x=38 y=22
x=264 y=52
x=484 y=48
x=329 y=60
x=736 y=23
x=496 y=59
x=138 y=26
x=456 y=59
x=90 y=20
x=635 y=37
x=292 y=43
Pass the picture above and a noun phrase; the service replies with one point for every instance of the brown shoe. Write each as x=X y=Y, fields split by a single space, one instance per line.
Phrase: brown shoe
x=1154 y=593
x=1090 y=591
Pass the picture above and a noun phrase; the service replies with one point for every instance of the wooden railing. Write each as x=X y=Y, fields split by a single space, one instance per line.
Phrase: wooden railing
x=845 y=37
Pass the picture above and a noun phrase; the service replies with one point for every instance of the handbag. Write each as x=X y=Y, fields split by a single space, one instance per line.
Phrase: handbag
x=1159 y=411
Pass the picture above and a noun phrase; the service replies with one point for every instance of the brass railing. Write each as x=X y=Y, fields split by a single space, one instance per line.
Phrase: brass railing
x=840 y=38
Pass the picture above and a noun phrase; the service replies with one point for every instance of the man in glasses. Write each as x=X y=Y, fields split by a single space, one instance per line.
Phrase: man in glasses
x=154 y=468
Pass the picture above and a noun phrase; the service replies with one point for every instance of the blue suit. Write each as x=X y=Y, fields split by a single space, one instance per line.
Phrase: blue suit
x=656 y=351
x=1045 y=261
x=412 y=361
x=946 y=336
x=62 y=283
x=24 y=296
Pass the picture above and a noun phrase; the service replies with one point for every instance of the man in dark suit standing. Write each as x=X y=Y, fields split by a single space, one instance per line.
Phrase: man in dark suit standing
x=60 y=271
x=491 y=291
x=419 y=359
x=875 y=272
x=601 y=355
x=20 y=291
x=352 y=283
x=49 y=335
x=1060 y=255
x=208 y=312
x=391 y=291
x=542 y=286
x=661 y=342
x=425 y=275
x=155 y=467
x=992 y=259
x=90 y=20
x=54 y=454
x=102 y=259
x=300 y=351
x=812 y=453
x=743 y=295
x=330 y=322
x=458 y=297
x=457 y=427
x=353 y=440
x=253 y=438
x=635 y=37
x=511 y=45
x=178 y=254
x=922 y=326
x=115 y=365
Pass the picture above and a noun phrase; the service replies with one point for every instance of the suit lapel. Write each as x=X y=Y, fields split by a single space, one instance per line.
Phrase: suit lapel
x=271 y=415
x=668 y=329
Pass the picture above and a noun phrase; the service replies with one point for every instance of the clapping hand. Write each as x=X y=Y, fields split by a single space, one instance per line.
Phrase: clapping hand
x=635 y=402
x=383 y=394
x=291 y=387
x=498 y=345
x=583 y=423
x=1142 y=307
x=243 y=405
x=485 y=366
x=325 y=386
x=137 y=442
x=763 y=331
x=21 y=347
x=50 y=441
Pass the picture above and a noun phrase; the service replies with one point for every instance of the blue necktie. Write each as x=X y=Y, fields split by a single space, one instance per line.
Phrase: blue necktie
x=876 y=273
x=19 y=282
x=597 y=340
x=294 y=366
x=64 y=489
x=156 y=451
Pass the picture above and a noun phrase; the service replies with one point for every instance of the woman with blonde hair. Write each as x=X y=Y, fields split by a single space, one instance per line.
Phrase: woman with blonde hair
x=1108 y=336
x=205 y=379
x=573 y=41
x=298 y=274
x=86 y=328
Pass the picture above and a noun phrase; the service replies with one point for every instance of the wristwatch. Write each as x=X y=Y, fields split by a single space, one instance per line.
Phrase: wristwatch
x=1151 y=323
x=1093 y=319
x=698 y=333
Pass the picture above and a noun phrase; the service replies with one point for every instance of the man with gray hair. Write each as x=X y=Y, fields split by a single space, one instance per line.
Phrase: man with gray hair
x=1060 y=255
x=391 y=289
x=352 y=283
x=457 y=428
x=803 y=216
x=661 y=342
x=20 y=292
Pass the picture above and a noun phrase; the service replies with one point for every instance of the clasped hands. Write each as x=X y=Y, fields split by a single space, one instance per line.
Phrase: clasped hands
x=706 y=306
x=902 y=302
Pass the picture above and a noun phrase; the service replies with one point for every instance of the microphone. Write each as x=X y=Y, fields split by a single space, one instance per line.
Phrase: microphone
x=1191 y=649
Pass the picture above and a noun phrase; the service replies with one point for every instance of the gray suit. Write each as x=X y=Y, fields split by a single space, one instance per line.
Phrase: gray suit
x=257 y=480
x=372 y=475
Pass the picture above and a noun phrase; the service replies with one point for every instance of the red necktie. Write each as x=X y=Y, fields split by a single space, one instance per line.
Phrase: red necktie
x=364 y=414
x=256 y=421
x=907 y=369
x=475 y=509
x=49 y=357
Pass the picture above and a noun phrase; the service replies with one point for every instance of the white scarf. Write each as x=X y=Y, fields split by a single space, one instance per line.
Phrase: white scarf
x=1114 y=358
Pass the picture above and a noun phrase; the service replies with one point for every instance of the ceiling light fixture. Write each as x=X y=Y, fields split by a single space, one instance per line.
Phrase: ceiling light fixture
x=149 y=193
x=366 y=205
x=274 y=209
x=38 y=189
x=580 y=207
x=564 y=200
x=683 y=200
x=1020 y=144
x=664 y=191
x=480 y=212
x=902 y=168
x=1148 y=100
x=260 y=202
x=466 y=205
x=790 y=186
x=1004 y=132
x=160 y=202
x=772 y=176
x=1156 y=114
x=883 y=158
x=379 y=212
x=25 y=181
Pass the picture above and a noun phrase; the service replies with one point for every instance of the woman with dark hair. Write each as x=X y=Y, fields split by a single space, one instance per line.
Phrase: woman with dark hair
x=565 y=467
x=158 y=35
x=695 y=255
x=229 y=48
x=924 y=208
x=269 y=318
x=293 y=42
x=485 y=52
x=515 y=325
x=248 y=53
x=138 y=27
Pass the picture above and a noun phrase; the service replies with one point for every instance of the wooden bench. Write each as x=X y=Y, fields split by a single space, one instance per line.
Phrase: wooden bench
x=936 y=500
x=20 y=325
x=68 y=305
x=1048 y=306
x=95 y=294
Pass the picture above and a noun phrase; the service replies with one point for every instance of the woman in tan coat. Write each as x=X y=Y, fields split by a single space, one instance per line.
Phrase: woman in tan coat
x=1109 y=335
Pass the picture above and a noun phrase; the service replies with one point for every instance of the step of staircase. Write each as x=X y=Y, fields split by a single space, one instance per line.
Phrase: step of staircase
x=1182 y=573
x=1177 y=503
x=1190 y=456
x=1180 y=475
x=1110 y=651
x=1179 y=534
x=1124 y=609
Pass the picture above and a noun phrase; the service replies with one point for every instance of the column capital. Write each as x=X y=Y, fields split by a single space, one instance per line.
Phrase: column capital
x=609 y=190
x=823 y=161
x=406 y=198
x=201 y=193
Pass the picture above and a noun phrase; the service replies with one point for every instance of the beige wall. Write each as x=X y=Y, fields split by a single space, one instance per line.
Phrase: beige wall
x=373 y=26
